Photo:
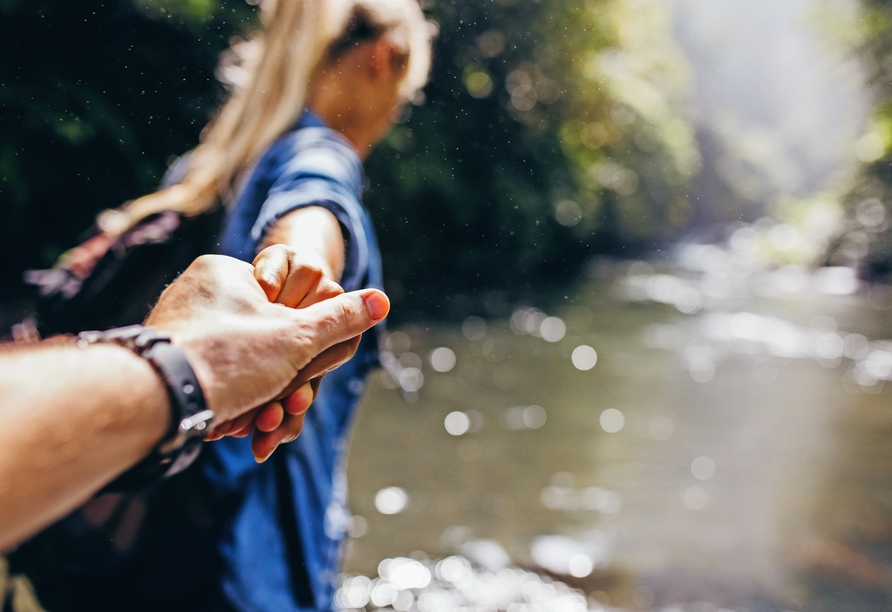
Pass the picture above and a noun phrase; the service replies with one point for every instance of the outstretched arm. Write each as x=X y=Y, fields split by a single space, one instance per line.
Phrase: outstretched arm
x=72 y=419
x=315 y=236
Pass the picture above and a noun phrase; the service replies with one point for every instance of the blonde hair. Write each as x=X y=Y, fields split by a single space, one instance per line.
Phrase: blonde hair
x=268 y=77
x=402 y=23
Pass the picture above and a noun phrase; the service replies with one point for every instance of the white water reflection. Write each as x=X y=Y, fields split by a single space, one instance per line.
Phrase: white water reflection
x=454 y=583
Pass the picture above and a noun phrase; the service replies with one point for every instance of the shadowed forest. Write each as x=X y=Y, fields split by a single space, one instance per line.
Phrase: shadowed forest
x=549 y=132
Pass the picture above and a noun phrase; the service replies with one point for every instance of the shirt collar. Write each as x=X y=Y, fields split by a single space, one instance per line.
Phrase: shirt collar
x=310 y=119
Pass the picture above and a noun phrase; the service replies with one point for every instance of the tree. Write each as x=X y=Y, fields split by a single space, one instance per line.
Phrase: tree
x=550 y=131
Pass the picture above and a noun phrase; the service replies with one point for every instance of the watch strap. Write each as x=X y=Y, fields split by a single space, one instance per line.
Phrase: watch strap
x=190 y=416
x=188 y=407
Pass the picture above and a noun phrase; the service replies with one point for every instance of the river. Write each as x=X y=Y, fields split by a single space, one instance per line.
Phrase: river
x=730 y=446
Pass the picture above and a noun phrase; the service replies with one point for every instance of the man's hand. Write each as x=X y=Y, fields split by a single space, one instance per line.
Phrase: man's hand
x=247 y=351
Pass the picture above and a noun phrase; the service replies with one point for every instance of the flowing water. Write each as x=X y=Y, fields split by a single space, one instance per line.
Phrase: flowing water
x=731 y=445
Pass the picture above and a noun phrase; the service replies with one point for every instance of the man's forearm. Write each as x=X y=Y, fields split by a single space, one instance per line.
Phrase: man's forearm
x=72 y=420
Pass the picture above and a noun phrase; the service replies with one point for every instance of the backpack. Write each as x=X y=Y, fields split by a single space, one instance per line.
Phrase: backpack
x=112 y=281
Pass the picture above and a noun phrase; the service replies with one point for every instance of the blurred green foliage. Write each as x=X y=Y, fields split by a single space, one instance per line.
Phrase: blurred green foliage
x=866 y=242
x=550 y=131
x=95 y=98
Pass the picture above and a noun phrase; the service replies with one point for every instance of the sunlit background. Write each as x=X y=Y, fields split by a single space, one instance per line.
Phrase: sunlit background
x=639 y=254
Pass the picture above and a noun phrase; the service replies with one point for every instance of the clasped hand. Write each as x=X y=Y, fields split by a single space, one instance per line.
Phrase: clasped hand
x=261 y=337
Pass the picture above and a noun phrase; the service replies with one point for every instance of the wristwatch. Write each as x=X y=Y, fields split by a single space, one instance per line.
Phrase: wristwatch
x=191 y=417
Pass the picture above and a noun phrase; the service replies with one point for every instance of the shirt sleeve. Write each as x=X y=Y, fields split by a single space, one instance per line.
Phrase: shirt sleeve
x=317 y=169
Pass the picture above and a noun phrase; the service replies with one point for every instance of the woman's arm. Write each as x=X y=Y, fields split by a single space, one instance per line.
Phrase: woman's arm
x=315 y=234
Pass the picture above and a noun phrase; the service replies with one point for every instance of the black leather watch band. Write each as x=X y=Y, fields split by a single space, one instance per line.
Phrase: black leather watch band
x=190 y=417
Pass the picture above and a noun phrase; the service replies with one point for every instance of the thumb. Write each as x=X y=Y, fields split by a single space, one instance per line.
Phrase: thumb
x=344 y=316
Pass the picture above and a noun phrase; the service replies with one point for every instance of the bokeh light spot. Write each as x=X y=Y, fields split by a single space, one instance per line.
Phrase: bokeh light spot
x=584 y=357
x=534 y=416
x=399 y=342
x=552 y=329
x=580 y=566
x=442 y=359
x=612 y=420
x=457 y=423
x=411 y=379
x=391 y=500
x=473 y=328
x=358 y=526
x=703 y=468
x=695 y=498
x=702 y=369
x=568 y=213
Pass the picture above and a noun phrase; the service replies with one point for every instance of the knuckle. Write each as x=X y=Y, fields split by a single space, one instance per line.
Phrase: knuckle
x=203 y=260
x=315 y=273
x=279 y=248
x=329 y=288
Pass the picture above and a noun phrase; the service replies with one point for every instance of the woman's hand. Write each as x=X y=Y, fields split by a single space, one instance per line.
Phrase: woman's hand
x=281 y=420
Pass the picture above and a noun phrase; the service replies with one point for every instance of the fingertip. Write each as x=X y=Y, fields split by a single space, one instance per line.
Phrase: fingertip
x=269 y=417
x=262 y=446
x=299 y=401
x=377 y=304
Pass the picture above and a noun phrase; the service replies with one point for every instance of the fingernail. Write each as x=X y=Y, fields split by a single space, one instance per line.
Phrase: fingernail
x=377 y=304
x=260 y=459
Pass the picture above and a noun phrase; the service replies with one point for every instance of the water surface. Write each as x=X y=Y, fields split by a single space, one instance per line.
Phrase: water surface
x=731 y=445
